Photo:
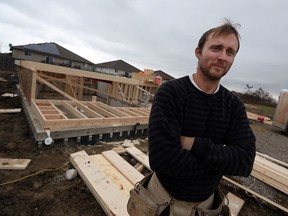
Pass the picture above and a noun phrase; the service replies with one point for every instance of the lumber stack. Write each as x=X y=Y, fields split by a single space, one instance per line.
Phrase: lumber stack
x=271 y=171
x=110 y=178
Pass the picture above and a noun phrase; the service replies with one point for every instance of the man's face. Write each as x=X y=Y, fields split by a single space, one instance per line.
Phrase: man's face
x=217 y=55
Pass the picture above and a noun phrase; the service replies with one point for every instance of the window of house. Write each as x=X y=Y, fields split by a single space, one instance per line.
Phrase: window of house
x=68 y=62
x=49 y=60
x=84 y=65
x=28 y=53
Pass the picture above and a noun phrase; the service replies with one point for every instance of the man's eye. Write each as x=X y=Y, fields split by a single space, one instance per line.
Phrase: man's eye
x=230 y=52
x=215 y=48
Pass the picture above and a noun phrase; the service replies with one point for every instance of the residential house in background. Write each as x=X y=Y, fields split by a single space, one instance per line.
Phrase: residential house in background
x=51 y=53
x=165 y=77
x=117 y=68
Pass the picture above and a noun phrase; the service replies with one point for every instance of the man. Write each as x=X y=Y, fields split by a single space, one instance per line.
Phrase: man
x=198 y=130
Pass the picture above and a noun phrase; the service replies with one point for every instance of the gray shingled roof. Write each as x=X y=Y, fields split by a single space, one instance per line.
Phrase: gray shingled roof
x=119 y=65
x=164 y=75
x=52 y=49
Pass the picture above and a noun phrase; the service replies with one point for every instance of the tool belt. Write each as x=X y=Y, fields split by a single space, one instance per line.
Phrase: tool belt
x=145 y=202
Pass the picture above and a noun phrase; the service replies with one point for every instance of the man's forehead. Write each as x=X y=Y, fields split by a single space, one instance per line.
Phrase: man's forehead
x=228 y=39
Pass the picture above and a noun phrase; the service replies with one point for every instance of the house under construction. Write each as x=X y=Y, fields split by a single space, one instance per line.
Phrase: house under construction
x=67 y=103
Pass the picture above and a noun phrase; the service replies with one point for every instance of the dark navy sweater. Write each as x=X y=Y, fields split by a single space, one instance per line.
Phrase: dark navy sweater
x=224 y=142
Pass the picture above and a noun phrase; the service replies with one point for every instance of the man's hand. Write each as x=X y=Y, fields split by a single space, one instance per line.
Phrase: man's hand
x=187 y=142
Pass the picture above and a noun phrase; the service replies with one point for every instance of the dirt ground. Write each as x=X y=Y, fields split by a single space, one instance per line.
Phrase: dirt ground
x=44 y=190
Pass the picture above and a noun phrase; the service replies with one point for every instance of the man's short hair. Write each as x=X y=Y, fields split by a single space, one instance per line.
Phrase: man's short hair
x=226 y=28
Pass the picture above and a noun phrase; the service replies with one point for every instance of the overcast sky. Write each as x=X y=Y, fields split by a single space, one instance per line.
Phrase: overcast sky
x=157 y=34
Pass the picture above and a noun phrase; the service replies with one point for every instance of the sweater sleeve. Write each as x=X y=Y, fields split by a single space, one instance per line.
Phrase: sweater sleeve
x=235 y=156
x=166 y=155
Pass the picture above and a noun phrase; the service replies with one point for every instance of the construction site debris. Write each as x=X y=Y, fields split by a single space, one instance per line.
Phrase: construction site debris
x=70 y=174
x=16 y=110
x=14 y=164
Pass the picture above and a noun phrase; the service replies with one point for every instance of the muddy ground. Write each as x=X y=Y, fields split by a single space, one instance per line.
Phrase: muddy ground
x=44 y=190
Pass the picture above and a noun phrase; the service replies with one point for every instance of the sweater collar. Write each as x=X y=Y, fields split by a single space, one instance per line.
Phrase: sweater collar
x=194 y=83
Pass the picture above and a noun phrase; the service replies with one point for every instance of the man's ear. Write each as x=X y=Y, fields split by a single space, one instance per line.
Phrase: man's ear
x=197 y=53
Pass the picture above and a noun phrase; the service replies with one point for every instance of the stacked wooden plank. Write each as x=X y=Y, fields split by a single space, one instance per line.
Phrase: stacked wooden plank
x=271 y=171
x=110 y=178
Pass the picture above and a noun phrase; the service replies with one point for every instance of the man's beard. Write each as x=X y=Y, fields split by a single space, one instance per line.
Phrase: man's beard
x=211 y=76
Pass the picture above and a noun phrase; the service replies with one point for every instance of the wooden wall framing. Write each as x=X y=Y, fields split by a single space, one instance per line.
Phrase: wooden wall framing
x=75 y=84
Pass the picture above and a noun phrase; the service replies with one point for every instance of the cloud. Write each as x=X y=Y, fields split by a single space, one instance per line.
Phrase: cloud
x=155 y=34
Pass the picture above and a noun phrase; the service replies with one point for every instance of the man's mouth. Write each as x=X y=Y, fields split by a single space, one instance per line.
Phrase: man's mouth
x=217 y=65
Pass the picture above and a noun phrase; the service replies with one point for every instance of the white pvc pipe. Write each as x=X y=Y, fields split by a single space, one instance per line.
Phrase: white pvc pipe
x=48 y=140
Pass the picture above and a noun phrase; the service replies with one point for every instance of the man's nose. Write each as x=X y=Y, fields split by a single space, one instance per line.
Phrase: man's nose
x=223 y=55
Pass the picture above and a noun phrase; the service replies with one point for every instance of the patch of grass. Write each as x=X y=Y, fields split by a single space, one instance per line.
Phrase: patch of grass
x=261 y=110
